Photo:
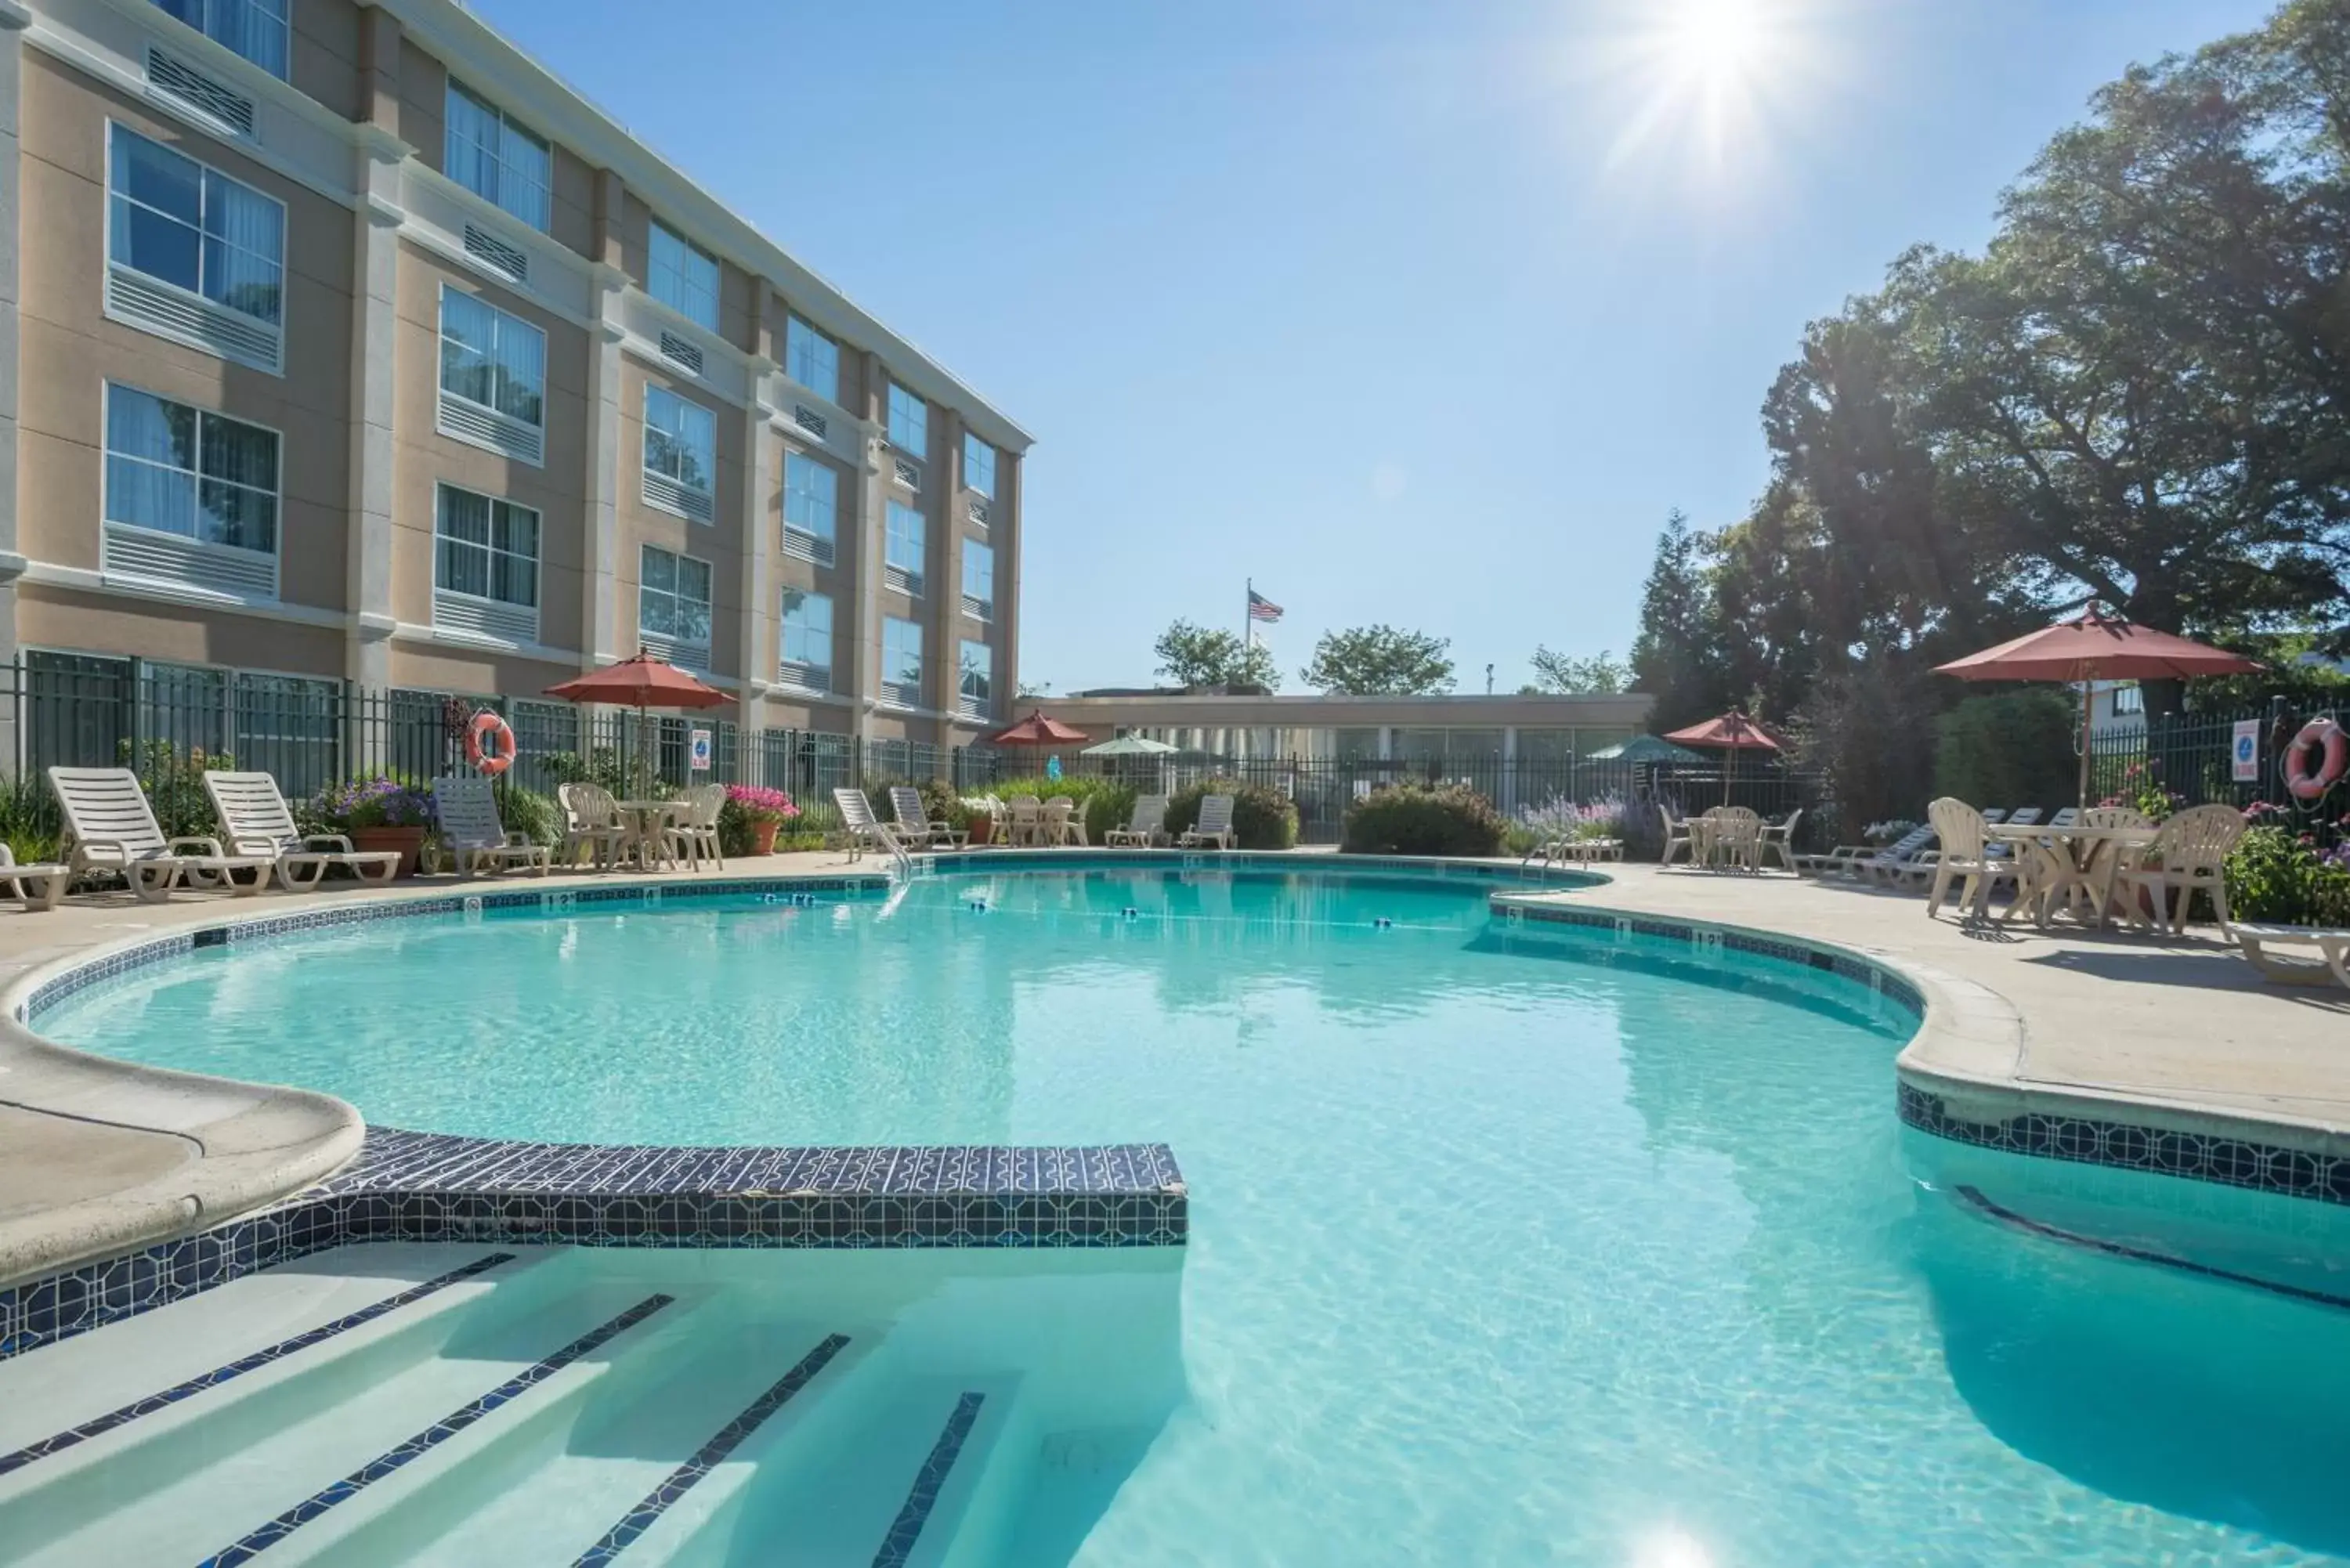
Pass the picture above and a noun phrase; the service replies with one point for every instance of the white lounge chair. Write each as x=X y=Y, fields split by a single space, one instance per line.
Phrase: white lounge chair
x=1146 y=829
x=472 y=835
x=37 y=887
x=2333 y=945
x=256 y=820
x=1907 y=859
x=864 y=828
x=113 y=829
x=915 y=829
x=1214 y=826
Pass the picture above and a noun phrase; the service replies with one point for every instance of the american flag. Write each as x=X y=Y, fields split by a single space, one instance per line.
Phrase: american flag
x=1263 y=608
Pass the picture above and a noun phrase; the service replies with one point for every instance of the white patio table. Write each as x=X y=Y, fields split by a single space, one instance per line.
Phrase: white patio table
x=2055 y=860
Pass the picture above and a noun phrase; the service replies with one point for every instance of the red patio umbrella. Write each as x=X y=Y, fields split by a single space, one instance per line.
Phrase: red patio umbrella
x=640 y=682
x=1734 y=733
x=1037 y=730
x=2096 y=648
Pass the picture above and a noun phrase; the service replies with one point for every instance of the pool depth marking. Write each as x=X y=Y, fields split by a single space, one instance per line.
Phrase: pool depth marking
x=2145 y=1255
x=899 y=1545
x=711 y=1455
x=72 y=1436
x=259 y=1540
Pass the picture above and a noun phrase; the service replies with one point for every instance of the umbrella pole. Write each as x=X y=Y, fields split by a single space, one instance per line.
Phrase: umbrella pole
x=2088 y=716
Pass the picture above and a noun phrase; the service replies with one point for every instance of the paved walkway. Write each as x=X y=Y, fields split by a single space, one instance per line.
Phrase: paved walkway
x=96 y=1157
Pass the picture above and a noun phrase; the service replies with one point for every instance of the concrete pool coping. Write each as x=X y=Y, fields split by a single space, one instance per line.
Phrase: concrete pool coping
x=98 y=1158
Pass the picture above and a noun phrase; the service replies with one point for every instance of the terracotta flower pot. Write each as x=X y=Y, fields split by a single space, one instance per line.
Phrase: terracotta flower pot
x=408 y=841
x=762 y=834
x=982 y=830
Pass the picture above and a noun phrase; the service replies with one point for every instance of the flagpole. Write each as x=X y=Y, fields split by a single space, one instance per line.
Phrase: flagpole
x=1248 y=618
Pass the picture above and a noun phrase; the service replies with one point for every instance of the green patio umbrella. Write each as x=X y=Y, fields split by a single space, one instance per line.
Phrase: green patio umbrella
x=1644 y=749
x=1129 y=746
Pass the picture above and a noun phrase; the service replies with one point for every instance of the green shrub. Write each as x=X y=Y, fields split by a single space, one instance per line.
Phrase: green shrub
x=2011 y=750
x=1263 y=817
x=1104 y=803
x=172 y=777
x=527 y=811
x=2274 y=878
x=30 y=824
x=1417 y=820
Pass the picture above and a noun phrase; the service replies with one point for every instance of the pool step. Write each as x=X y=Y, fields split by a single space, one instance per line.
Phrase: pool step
x=199 y=1478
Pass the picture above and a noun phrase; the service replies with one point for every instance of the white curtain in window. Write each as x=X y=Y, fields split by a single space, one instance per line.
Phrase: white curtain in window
x=150 y=460
x=244 y=236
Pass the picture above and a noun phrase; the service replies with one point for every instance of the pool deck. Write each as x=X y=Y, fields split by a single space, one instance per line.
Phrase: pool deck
x=97 y=1158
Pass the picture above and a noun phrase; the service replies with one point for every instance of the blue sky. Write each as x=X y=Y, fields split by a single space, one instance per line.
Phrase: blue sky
x=1417 y=313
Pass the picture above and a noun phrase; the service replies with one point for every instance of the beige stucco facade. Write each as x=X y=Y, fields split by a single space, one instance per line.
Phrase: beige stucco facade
x=102 y=553
x=1362 y=729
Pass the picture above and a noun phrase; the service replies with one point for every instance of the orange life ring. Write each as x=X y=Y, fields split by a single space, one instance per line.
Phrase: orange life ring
x=493 y=758
x=2316 y=759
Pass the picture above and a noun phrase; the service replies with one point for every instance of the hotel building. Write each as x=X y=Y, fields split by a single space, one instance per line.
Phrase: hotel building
x=349 y=351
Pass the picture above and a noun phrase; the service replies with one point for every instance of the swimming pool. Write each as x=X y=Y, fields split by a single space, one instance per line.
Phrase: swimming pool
x=1502 y=1250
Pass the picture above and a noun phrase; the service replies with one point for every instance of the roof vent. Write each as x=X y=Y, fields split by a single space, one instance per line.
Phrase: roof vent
x=174 y=78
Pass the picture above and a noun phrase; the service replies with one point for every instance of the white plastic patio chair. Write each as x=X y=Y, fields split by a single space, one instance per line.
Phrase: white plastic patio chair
x=1214 y=826
x=472 y=835
x=1676 y=836
x=1146 y=829
x=2188 y=855
x=113 y=829
x=256 y=820
x=591 y=821
x=1959 y=826
x=1024 y=820
x=693 y=836
x=1780 y=839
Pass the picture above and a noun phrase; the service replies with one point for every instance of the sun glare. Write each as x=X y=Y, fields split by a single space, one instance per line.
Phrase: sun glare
x=1702 y=83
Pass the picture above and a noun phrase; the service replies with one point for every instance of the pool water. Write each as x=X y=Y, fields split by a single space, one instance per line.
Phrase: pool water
x=1503 y=1250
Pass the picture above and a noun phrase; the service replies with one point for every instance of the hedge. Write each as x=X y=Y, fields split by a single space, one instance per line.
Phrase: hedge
x=1415 y=819
x=1262 y=818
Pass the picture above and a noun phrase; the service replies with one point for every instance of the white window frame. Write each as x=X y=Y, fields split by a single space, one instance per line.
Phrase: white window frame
x=184 y=315
x=672 y=282
x=806 y=674
x=822 y=353
x=672 y=492
x=209 y=26
x=193 y=552
x=486 y=613
x=896 y=690
x=821 y=547
x=973 y=446
x=662 y=642
x=906 y=579
x=914 y=440
x=490 y=427
x=541 y=217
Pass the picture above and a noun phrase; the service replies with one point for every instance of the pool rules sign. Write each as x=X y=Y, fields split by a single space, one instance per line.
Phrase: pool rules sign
x=2245 y=754
x=700 y=751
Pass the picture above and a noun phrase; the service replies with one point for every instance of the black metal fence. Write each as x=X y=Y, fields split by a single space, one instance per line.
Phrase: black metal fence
x=166 y=720
x=2193 y=756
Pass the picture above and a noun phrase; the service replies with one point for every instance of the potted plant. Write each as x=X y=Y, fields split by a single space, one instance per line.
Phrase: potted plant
x=379 y=812
x=753 y=815
x=978 y=817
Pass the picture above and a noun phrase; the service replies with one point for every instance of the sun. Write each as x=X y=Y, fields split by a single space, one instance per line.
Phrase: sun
x=1705 y=81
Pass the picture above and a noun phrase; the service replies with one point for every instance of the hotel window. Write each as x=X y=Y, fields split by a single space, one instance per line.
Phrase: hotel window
x=977 y=679
x=674 y=600
x=811 y=508
x=191 y=473
x=497 y=159
x=485 y=566
x=2129 y=699
x=681 y=454
x=978 y=580
x=684 y=277
x=910 y=422
x=812 y=360
x=254 y=28
x=905 y=548
x=978 y=466
x=492 y=376
x=807 y=640
x=901 y=661
x=218 y=247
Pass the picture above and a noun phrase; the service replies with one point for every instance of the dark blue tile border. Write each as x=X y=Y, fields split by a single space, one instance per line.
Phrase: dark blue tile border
x=2145 y=1255
x=259 y=1540
x=2162 y=1151
x=123 y=1415
x=711 y=1454
x=437 y=1187
x=907 y=1529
